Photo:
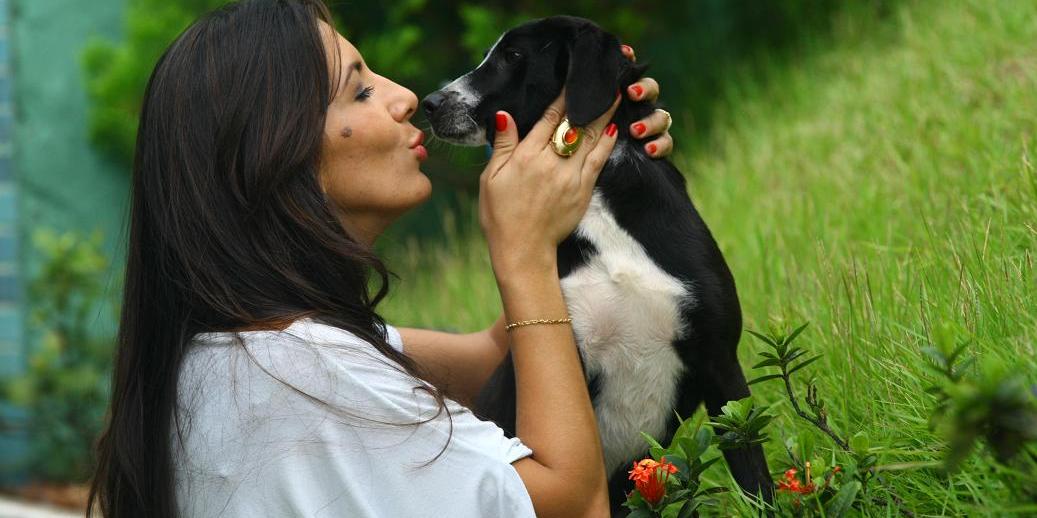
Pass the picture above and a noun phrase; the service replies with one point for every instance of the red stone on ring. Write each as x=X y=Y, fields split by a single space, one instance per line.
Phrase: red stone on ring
x=570 y=136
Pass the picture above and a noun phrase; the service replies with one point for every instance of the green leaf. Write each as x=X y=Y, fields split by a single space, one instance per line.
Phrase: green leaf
x=770 y=362
x=640 y=513
x=712 y=491
x=680 y=494
x=859 y=442
x=651 y=441
x=657 y=452
x=804 y=364
x=690 y=447
x=765 y=339
x=757 y=424
x=688 y=509
x=794 y=353
x=796 y=333
x=701 y=467
x=957 y=351
x=765 y=378
x=843 y=500
x=704 y=437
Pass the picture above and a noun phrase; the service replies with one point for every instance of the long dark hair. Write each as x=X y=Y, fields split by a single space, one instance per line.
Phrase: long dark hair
x=229 y=228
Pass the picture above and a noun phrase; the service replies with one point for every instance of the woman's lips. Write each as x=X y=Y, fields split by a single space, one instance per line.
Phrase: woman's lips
x=418 y=148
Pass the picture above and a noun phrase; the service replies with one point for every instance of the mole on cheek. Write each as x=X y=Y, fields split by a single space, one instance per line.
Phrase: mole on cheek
x=347 y=132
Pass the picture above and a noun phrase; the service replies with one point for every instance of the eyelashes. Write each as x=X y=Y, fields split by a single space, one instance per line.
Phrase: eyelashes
x=365 y=93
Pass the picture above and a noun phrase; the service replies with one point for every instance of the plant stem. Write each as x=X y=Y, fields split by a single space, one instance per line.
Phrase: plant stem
x=820 y=424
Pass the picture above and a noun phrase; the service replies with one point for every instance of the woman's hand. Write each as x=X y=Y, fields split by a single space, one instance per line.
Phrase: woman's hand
x=647 y=88
x=530 y=198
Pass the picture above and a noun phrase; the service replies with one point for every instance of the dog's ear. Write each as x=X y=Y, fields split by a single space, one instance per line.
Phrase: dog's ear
x=592 y=82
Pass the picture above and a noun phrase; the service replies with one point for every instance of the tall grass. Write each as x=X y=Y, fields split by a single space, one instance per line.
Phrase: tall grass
x=879 y=183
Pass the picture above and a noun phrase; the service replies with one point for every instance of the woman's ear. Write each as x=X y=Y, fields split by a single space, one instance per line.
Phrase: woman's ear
x=592 y=82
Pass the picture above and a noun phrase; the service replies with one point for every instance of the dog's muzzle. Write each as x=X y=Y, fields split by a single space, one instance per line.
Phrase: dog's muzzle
x=451 y=114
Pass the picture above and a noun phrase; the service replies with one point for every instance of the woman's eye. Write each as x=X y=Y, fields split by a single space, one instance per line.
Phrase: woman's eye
x=365 y=93
x=512 y=56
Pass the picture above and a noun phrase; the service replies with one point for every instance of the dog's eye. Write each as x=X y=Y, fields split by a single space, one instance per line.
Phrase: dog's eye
x=512 y=56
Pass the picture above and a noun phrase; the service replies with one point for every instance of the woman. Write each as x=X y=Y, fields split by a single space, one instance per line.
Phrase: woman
x=253 y=376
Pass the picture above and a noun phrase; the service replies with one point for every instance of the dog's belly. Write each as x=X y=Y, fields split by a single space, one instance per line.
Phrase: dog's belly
x=626 y=314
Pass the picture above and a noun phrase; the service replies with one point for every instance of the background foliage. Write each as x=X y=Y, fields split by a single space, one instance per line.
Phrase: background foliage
x=65 y=389
x=421 y=44
x=867 y=166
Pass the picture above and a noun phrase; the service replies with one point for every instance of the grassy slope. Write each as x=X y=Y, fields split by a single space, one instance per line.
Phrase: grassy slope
x=878 y=185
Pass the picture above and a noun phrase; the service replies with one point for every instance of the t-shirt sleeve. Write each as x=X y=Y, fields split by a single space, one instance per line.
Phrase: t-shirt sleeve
x=360 y=378
x=485 y=435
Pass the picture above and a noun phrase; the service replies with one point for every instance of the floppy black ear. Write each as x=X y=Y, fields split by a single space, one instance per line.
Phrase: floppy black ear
x=593 y=78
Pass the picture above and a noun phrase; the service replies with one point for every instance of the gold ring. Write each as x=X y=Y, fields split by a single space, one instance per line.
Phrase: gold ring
x=566 y=139
x=669 y=119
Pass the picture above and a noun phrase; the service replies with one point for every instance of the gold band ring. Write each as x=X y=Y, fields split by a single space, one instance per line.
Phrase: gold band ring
x=669 y=119
x=566 y=139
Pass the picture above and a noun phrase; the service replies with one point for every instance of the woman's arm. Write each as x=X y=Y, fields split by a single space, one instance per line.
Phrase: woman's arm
x=530 y=199
x=460 y=364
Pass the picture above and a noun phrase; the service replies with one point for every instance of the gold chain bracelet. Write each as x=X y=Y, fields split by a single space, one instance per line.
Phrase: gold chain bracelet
x=511 y=326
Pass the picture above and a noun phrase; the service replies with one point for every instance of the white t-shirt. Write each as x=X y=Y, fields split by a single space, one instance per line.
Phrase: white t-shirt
x=253 y=447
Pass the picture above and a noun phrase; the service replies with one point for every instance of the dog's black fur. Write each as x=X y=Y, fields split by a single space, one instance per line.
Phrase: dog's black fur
x=522 y=74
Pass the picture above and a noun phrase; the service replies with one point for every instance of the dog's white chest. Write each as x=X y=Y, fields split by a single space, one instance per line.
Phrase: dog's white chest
x=626 y=314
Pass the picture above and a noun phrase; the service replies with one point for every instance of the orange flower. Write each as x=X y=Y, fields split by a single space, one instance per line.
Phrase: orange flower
x=650 y=478
x=792 y=485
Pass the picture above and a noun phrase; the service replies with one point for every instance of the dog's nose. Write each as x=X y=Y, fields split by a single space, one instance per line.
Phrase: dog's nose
x=433 y=101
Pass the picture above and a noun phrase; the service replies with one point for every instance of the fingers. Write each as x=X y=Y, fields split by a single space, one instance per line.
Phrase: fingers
x=548 y=122
x=628 y=52
x=593 y=132
x=504 y=142
x=660 y=147
x=596 y=159
x=645 y=89
x=650 y=126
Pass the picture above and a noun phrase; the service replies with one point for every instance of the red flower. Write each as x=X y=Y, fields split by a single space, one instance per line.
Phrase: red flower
x=792 y=485
x=650 y=478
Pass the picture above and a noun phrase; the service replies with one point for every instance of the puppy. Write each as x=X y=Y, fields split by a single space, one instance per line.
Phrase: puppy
x=654 y=307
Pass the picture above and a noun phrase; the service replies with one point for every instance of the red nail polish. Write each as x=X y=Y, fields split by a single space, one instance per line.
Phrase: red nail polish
x=651 y=149
x=628 y=49
x=640 y=128
x=611 y=130
x=502 y=121
x=637 y=91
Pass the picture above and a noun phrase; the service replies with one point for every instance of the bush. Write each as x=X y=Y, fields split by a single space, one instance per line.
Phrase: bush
x=65 y=388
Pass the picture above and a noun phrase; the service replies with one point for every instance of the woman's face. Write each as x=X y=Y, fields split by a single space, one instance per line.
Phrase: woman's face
x=369 y=162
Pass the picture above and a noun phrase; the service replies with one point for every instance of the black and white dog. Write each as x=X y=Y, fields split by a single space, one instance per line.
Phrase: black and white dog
x=654 y=307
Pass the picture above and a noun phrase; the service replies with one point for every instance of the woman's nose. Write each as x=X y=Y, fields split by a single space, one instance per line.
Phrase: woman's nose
x=407 y=105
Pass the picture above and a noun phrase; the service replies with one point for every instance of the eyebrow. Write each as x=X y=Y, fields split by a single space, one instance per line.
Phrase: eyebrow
x=355 y=66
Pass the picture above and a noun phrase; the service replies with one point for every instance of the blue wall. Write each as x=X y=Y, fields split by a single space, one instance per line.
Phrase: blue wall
x=49 y=174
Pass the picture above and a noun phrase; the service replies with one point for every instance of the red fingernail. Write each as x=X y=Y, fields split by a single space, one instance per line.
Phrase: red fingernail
x=502 y=121
x=611 y=130
x=628 y=49
x=640 y=128
x=637 y=91
x=651 y=149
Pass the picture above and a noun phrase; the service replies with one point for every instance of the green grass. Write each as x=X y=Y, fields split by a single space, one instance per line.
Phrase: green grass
x=878 y=182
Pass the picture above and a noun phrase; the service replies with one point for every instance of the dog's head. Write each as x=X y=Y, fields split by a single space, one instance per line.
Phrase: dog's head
x=526 y=70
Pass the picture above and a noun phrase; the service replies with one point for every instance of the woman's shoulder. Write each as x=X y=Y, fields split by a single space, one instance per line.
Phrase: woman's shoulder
x=270 y=368
x=302 y=331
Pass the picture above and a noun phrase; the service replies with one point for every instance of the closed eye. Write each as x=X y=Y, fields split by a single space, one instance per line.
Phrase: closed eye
x=365 y=93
